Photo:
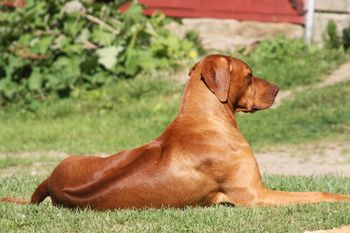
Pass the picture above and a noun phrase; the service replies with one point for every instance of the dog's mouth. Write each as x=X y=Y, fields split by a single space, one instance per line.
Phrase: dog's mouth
x=261 y=106
x=254 y=109
x=261 y=103
x=247 y=110
x=265 y=102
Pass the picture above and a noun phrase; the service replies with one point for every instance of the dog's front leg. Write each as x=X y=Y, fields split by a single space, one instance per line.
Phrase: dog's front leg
x=245 y=187
x=264 y=197
x=273 y=197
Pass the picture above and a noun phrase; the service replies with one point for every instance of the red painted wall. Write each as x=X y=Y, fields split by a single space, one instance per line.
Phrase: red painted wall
x=259 y=10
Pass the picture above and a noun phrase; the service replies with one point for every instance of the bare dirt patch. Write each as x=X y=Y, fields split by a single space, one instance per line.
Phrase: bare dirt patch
x=34 y=154
x=40 y=165
x=35 y=169
x=309 y=159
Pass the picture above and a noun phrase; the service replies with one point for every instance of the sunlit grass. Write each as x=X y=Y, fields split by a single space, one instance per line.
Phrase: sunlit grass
x=46 y=218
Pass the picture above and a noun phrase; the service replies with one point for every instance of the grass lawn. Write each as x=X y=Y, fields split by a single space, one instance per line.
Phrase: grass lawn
x=291 y=63
x=46 y=218
x=125 y=115
x=131 y=113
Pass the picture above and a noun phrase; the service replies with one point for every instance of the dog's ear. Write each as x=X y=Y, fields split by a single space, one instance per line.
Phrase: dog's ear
x=193 y=69
x=217 y=78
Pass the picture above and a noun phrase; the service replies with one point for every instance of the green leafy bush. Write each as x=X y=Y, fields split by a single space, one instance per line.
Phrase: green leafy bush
x=291 y=63
x=331 y=37
x=346 y=38
x=332 y=40
x=55 y=47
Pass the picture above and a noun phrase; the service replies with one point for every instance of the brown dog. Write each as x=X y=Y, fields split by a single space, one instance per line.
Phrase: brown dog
x=200 y=159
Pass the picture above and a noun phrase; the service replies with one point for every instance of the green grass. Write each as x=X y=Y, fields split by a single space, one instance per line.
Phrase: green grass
x=291 y=63
x=122 y=116
x=46 y=218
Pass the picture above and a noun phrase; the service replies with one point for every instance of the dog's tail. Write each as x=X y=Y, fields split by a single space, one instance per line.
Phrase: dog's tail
x=14 y=200
x=38 y=196
x=41 y=192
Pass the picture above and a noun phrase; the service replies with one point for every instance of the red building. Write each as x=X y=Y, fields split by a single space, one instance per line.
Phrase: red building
x=291 y=11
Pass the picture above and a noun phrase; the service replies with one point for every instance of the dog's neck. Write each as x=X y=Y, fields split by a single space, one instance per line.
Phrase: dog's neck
x=200 y=103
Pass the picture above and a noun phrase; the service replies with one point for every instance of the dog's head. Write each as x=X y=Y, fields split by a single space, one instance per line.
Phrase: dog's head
x=232 y=81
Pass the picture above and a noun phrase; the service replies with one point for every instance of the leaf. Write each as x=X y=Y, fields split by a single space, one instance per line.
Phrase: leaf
x=147 y=61
x=134 y=14
x=35 y=80
x=25 y=38
x=65 y=72
x=53 y=82
x=108 y=56
x=68 y=66
x=89 y=64
x=8 y=88
x=73 y=48
x=84 y=36
x=98 y=78
x=102 y=37
x=42 y=45
x=73 y=26
x=132 y=62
